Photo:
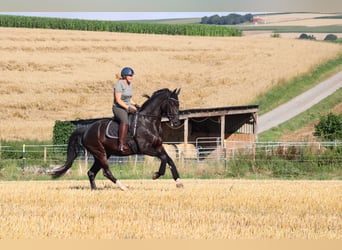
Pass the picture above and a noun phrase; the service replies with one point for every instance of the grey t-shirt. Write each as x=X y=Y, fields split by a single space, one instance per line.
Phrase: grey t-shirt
x=126 y=91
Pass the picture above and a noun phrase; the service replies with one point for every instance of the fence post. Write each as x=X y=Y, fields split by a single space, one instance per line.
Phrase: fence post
x=24 y=150
x=44 y=154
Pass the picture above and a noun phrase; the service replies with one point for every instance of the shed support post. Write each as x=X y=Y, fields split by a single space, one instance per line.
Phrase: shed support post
x=186 y=137
x=186 y=131
x=255 y=133
x=223 y=126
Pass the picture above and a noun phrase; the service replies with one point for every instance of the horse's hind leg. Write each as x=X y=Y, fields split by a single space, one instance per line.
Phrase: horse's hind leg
x=93 y=172
x=101 y=161
x=108 y=174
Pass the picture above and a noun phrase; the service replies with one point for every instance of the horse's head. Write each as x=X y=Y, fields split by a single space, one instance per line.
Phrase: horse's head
x=163 y=102
x=171 y=108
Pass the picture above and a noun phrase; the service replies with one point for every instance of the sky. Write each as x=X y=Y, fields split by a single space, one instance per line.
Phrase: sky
x=324 y=6
x=159 y=9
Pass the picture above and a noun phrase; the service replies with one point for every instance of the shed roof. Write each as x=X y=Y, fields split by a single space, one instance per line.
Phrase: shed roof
x=195 y=113
x=218 y=111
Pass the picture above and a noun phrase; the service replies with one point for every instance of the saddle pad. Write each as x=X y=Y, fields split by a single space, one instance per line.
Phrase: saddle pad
x=112 y=130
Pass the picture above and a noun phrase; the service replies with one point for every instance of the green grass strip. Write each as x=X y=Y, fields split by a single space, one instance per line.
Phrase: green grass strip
x=285 y=91
x=301 y=120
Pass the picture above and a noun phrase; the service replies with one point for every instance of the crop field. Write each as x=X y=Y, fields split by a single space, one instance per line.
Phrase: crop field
x=204 y=209
x=302 y=19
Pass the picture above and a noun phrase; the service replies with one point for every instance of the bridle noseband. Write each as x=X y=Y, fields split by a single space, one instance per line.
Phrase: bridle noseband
x=169 y=114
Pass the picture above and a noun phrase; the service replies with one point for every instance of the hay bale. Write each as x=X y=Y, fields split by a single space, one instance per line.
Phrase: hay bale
x=187 y=151
x=171 y=150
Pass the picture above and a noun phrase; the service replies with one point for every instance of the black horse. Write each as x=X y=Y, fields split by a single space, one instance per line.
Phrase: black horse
x=146 y=139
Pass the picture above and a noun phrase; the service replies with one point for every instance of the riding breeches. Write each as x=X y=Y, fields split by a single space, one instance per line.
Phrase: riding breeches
x=120 y=114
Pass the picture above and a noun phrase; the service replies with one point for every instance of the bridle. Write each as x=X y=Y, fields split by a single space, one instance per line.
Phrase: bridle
x=168 y=113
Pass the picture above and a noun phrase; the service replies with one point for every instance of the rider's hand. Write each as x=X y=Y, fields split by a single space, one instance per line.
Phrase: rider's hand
x=132 y=109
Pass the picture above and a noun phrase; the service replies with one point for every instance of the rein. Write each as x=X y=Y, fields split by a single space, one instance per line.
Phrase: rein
x=169 y=115
x=160 y=116
x=156 y=116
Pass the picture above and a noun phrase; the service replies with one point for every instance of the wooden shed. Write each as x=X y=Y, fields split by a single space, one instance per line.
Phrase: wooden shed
x=229 y=128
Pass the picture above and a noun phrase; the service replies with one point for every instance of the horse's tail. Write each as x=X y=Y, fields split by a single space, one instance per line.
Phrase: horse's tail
x=74 y=149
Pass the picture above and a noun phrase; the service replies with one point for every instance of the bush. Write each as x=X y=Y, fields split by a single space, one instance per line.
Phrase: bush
x=61 y=132
x=308 y=37
x=275 y=35
x=330 y=127
x=330 y=37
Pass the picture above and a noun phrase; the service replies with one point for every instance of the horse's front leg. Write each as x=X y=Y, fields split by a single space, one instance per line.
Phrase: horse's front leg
x=165 y=158
x=174 y=172
x=161 y=170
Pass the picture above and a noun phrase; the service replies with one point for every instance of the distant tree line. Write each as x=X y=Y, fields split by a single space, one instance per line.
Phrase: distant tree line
x=230 y=19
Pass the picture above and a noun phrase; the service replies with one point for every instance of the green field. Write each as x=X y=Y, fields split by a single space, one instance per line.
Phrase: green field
x=117 y=26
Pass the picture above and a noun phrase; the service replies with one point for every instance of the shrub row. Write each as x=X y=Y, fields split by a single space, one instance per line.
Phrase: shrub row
x=329 y=37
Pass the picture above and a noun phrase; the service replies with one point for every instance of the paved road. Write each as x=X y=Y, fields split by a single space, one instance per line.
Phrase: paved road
x=299 y=103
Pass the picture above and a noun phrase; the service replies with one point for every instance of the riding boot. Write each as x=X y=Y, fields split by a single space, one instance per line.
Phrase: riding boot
x=123 y=129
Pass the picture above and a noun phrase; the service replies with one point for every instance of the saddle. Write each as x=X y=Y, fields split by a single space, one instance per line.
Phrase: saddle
x=112 y=130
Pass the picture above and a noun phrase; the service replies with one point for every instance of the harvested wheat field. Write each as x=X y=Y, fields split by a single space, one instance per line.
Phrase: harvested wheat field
x=204 y=209
x=49 y=75
x=301 y=19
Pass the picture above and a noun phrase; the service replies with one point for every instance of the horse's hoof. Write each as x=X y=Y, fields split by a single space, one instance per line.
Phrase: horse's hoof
x=122 y=187
x=155 y=176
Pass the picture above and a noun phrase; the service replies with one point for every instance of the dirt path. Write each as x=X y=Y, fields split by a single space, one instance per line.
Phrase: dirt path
x=299 y=103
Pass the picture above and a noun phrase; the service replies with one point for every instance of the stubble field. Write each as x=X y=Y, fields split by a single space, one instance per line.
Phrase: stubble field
x=204 y=209
x=301 y=19
x=49 y=75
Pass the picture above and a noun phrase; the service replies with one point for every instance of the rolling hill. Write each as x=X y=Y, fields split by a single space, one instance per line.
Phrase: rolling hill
x=49 y=75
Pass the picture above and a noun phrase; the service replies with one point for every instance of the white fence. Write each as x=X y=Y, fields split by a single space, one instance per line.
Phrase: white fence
x=203 y=149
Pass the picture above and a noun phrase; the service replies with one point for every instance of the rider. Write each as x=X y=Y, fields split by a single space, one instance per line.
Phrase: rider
x=123 y=103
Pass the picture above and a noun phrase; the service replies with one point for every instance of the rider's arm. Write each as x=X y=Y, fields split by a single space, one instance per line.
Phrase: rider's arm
x=118 y=100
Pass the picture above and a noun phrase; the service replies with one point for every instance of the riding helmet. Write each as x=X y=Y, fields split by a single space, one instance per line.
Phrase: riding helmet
x=127 y=71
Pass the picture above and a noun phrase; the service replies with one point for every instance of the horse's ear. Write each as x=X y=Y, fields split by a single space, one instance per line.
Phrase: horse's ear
x=146 y=96
x=177 y=91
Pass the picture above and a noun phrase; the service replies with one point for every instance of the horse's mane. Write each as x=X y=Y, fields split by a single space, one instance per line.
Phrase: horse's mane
x=154 y=95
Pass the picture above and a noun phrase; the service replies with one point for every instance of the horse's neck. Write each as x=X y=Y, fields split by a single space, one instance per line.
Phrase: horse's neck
x=150 y=122
x=150 y=117
x=153 y=108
